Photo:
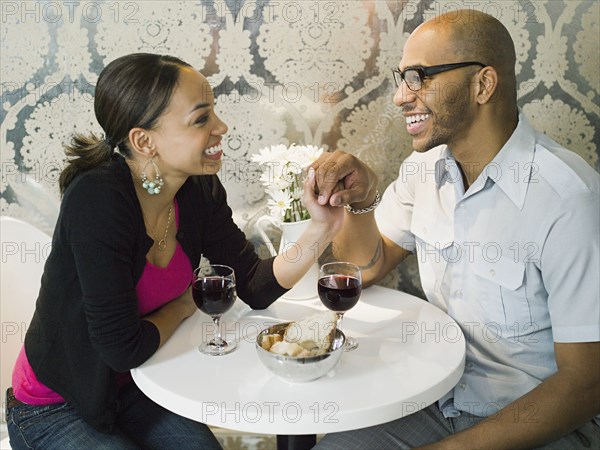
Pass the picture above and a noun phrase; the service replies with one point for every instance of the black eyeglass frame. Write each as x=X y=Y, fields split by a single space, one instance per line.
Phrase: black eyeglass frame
x=425 y=72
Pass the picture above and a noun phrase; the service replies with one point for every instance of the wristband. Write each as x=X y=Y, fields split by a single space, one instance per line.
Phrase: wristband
x=368 y=209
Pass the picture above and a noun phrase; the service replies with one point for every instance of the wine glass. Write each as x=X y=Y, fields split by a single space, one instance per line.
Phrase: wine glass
x=340 y=285
x=213 y=289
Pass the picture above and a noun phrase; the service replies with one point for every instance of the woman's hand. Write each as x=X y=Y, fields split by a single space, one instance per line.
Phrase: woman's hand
x=330 y=217
x=186 y=303
x=326 y=222
x=168 y=317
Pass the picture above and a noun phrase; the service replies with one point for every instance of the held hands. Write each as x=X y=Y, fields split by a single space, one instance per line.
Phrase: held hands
x=341 y=178
x=330 y=218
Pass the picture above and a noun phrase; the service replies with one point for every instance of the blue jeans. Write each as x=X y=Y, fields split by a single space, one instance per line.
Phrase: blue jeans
x=141 y=423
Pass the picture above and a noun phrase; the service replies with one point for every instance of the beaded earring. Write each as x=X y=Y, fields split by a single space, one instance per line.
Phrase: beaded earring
x=152 y=186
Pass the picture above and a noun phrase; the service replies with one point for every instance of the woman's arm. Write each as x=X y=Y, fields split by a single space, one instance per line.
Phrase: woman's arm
x=106 y=238
x=167 y=318
x=261 y=282
x=325 y=224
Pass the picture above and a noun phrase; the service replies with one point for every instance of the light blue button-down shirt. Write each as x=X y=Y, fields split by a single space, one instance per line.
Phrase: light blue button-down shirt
x=515 y=259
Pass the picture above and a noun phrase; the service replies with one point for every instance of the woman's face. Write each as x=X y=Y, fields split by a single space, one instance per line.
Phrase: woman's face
x=188 y=135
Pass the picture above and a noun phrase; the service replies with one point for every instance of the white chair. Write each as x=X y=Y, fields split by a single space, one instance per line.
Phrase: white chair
x=24 y=252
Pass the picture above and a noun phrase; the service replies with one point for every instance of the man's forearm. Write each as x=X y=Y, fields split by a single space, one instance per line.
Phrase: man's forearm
x=555 y=408
x=359 y=242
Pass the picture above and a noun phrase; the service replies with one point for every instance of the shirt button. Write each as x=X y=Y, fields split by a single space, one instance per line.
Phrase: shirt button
x=458 y=294
x=492 y=272
x=463 y=386
x=469 y=366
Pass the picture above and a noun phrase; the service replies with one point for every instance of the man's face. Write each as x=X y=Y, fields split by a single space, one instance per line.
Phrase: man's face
x=441 y=112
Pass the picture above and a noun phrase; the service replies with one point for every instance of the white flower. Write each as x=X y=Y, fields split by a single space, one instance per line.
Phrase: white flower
x=279 y=203
x=306 y=155
x=283 y=173
x=273 y=154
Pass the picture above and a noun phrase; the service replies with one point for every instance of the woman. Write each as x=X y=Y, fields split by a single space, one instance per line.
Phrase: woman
x=133 y=224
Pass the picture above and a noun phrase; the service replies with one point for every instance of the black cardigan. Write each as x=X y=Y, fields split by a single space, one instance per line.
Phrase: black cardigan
x=86 y=324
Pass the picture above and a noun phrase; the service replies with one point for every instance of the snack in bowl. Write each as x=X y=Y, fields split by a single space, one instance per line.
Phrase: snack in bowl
x=308 y=337
x=304 y=350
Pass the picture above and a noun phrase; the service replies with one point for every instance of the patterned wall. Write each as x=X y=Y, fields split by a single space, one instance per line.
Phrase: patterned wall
x=310 y=72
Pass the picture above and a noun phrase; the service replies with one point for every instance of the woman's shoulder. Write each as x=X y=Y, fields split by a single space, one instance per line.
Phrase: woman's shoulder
x=102 y=184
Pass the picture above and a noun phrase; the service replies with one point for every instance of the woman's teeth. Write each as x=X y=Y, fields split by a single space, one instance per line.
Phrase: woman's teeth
x=213 y=150
x=416 y=118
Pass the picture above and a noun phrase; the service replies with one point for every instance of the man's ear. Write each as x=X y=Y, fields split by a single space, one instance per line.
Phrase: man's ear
x=140 y=142
x=487 y=85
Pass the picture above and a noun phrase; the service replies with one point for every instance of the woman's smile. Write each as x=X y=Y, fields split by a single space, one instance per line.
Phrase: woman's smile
x=215 y=152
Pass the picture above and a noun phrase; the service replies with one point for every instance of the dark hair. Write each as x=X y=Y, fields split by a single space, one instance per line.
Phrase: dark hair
x=132 y=91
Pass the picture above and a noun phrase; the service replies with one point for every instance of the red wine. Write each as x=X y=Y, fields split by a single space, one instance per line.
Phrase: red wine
x=214 y=295
x=339 y=292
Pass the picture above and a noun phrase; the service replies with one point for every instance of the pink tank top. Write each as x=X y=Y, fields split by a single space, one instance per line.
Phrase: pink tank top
x=156 y=287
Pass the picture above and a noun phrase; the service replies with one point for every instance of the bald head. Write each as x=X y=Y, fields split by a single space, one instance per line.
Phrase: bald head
x=469 y=35
x=476 y=36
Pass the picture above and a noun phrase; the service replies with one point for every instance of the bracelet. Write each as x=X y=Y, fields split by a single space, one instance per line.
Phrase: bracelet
x=368 y=209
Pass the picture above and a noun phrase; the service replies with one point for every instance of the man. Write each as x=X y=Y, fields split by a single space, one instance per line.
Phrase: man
x=504 y=222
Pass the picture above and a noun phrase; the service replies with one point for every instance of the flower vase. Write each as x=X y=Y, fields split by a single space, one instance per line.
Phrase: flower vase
x=306 y=287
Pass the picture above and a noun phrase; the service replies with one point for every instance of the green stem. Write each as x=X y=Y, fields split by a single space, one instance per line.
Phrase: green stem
x=297 y=211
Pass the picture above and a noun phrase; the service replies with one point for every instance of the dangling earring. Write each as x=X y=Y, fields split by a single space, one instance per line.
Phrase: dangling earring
x=152 y=186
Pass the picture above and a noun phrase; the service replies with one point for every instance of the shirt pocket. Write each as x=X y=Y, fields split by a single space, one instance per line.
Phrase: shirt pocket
x=503 y=294
x=433 y=239
x=432 y=262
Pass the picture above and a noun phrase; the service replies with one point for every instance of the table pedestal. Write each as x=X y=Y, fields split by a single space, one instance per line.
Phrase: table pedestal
x=296 y=441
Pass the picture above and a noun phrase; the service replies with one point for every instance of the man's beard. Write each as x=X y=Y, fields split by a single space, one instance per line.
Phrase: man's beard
x=451 y=117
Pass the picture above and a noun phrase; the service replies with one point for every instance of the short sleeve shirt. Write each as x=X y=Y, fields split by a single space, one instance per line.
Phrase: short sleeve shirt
x=514 y=260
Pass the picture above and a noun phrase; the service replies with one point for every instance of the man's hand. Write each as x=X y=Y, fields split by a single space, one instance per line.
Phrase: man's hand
x=341 y=179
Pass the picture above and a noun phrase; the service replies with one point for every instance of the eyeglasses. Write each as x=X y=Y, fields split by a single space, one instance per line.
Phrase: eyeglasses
x=414 y=76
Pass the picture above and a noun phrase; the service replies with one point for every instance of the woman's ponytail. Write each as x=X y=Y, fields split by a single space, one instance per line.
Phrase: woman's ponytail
x=85 y=152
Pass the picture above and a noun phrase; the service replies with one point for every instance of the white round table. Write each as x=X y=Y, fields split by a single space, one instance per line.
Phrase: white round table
x=410 y=354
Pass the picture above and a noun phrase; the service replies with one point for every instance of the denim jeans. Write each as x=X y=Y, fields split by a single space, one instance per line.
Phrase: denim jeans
x=141 y=424
x=429 y=425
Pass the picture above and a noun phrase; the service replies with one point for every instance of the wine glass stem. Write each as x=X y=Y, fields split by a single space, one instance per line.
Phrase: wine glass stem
x=217 y=331
x=340 y=317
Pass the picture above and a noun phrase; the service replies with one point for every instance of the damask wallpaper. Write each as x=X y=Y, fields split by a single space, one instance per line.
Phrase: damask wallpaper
x=285 y=71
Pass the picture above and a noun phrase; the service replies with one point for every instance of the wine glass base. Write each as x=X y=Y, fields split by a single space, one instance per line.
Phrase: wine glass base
x=351 y=344
x=214 y=348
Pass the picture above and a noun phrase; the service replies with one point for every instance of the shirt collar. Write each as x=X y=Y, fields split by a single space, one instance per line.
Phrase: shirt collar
x=443 y=166
x=510 y=169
